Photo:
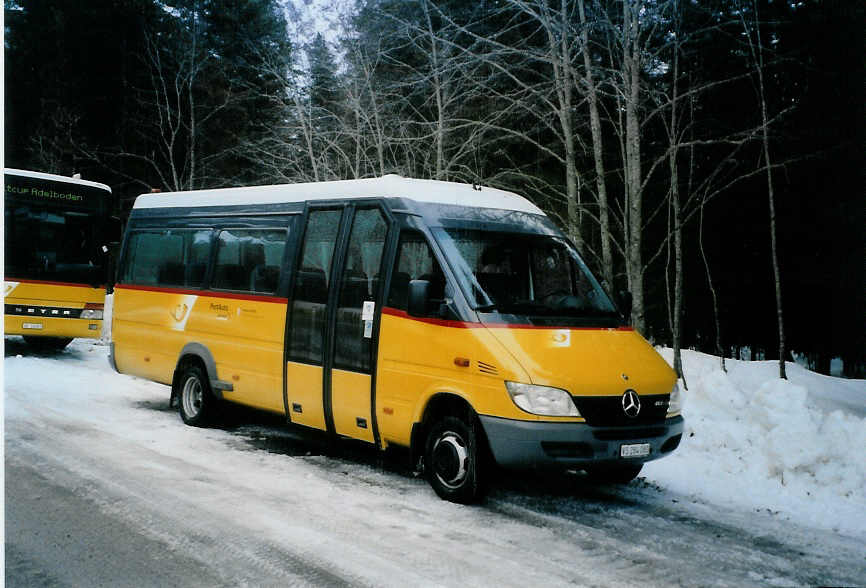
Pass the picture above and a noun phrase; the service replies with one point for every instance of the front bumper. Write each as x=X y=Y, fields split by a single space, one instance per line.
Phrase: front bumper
x=52 y=327
x=532 y=444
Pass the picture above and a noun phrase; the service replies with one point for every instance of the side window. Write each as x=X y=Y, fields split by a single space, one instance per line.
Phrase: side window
x=249 y=259
x=167 y=258
x=310 y=296
x=415 y=261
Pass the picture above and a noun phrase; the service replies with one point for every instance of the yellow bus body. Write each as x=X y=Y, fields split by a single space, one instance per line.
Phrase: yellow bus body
x=245 y=337
x=410 y=375
x=42 y=309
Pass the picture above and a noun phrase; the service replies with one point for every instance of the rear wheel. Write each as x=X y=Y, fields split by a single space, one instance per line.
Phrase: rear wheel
x=453 y=460
x=47 y=343
x=196 y=402
x=614 y=474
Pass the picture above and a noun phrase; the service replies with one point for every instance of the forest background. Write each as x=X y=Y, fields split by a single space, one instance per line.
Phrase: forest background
x=705 y=156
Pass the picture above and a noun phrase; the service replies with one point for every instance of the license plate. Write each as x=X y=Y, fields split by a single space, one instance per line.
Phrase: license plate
x=31 y=325
x=636 y=450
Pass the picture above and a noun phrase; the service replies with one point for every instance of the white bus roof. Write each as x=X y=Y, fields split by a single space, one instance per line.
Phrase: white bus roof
x=53 y=178
x=390 y=186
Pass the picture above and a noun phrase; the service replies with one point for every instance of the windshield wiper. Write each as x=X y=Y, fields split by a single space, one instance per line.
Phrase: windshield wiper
x=485 y=307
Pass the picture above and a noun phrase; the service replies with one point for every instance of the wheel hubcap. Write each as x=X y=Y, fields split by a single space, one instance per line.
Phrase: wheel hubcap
x=191 y=397
x=450 y=459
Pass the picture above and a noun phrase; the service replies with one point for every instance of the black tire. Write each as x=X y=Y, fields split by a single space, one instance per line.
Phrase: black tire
x=454 y=462
x=196 y=402
x=614 y=474
x=48 y=343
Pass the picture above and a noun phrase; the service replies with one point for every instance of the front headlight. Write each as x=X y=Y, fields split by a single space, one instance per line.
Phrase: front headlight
x=92 y=311
x=676 y=403
x=541 y=400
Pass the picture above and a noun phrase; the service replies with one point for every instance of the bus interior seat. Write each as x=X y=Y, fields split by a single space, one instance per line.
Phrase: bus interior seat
x=231 y=276
x=498 y=286
x=171 y=273
x=399 y=294
x=252 y=254
x=195 y=274
x=311 y=285
x=264 y=278
x=354 y=290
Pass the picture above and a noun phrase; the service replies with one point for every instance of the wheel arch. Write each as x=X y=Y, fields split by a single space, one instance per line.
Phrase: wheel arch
x=440 y=404
x=198 y=353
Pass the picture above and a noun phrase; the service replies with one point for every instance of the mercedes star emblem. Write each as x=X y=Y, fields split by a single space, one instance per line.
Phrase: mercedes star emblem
x=630 y=404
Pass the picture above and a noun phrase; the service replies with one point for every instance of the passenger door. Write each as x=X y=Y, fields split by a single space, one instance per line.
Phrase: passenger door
x=335 y=302
x=306 y=337
x=349 y=397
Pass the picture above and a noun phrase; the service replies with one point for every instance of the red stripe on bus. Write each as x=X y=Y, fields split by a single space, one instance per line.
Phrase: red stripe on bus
x=204 y=293
x=47 y=283
x=470 y=325
x=433 y=321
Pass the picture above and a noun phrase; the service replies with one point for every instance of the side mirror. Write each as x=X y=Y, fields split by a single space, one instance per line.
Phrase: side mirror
x=625 y=302
x=418 y=296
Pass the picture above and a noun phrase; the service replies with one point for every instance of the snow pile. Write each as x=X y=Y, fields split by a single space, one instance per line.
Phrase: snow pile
x=753 y=440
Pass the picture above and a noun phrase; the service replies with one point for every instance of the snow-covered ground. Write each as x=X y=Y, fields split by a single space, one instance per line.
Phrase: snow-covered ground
x=754 y=441
x=766 y=488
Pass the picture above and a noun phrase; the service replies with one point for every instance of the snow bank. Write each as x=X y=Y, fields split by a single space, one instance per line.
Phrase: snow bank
x=752 y=440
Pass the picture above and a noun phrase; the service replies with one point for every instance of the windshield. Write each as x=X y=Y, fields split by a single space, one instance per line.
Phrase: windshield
x=532 y=278
x=51 y=244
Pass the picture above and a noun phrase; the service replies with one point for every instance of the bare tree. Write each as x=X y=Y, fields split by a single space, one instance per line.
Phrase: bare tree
x=756 y=50
x=589 y=86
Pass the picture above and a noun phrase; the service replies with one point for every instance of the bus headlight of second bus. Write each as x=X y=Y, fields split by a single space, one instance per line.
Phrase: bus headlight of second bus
x=92 y=312
x=675 y=406
x=542 y=400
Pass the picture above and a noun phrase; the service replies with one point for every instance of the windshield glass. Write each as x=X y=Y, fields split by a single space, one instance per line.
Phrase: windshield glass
x=51 y=244
x=531 y=278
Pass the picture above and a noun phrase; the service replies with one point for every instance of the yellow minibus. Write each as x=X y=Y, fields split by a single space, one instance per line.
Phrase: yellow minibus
x=56 y=236
x=450 y=319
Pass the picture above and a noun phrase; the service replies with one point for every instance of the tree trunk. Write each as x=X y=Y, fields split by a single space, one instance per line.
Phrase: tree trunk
x=634 y=196
x=437 y=88
x=676 y=322
x=758 y=55
x=597 y=152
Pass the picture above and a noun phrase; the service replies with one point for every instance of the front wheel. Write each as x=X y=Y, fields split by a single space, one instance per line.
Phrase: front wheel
x=614 y=474
x=453 y=461
x=197 y=404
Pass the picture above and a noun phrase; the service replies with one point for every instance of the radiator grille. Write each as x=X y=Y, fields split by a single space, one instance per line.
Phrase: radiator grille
x=606 y=411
